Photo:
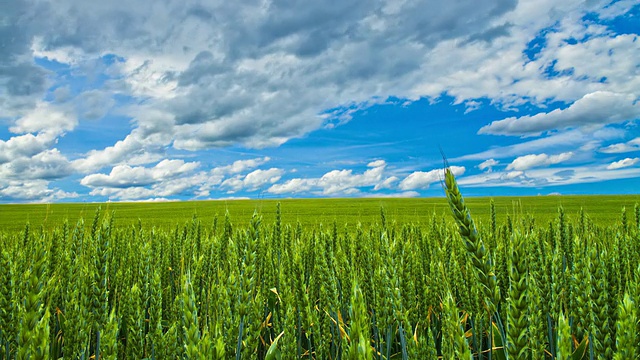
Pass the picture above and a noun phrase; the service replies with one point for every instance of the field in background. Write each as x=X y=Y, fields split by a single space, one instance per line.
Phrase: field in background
x=309 y=212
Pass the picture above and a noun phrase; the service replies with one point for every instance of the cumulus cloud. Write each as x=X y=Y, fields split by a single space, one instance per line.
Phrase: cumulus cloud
x=132 y=150
x=32 y=191
x=513 y=175
x=542 y=177
x=339 y=182
x=197 y=76
x=293 y=186
x=122 y=176
x=253 y=180
x=26 y=145
x=404 y=194
x=257 y=75
x=388 y=183
x=174 y=177
x=592 y=109
x=629 y=146
x=45 y=118
x=536 y=160
x=627 y=162
x=345 y=181
x=422 y=180
x=240 y=166
x=488 y=165
x=46 y=165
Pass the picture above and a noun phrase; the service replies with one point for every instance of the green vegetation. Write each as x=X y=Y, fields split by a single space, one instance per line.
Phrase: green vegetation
x=312 y=212
x=323 y=279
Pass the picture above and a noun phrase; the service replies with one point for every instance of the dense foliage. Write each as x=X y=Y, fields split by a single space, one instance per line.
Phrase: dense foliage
x=566 y=289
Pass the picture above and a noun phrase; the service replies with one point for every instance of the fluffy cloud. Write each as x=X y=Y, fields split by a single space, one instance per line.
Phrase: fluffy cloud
x=173 y=177
x=339 y=182
x=33 y=191
x=122 y=176
x=623 y=163
x=240 y=166
x=45 y=118
x=422 y=180
x=542 y=177
x=198 y=75
x=388 y=183
x=253 y=180
x=46 y=165
x=561 y=141
x=28 y=162
x=26 y=145
x=134 y=149
x=536 y=160
x=404 y=194
x=344 y=181
x=629 y=146
x=293 y=186
x=261 y=75
x=592 y=109
x=488 y=164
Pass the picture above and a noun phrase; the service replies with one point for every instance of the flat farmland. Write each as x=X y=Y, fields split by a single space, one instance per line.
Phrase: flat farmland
x=275 y=279
x=310 y=212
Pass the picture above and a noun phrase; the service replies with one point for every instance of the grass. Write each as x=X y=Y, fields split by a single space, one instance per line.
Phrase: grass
x=311 y=212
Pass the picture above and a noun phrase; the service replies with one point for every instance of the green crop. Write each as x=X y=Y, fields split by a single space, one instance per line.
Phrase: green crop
x=367 y=279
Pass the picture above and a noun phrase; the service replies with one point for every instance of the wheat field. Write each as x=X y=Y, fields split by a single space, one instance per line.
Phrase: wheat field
x=443 y=285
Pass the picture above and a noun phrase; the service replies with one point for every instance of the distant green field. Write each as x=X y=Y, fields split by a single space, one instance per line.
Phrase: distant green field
x=310 y=212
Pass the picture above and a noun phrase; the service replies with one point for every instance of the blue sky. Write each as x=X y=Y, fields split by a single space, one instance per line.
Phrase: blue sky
x=196 y=100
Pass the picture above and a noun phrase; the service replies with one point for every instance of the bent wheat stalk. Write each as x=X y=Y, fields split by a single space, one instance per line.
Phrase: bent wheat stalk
x=474 y=245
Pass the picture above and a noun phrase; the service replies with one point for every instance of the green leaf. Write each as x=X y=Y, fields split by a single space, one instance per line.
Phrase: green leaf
x=273 y=353
x=580 y=353
x=498 y=350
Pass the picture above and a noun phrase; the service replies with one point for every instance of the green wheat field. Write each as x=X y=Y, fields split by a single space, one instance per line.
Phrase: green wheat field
x=552 y=277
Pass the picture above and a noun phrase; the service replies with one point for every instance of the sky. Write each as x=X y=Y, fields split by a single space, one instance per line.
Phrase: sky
x=195 y=100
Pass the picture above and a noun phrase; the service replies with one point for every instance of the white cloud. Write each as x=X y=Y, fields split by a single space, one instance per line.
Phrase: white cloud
x=593 y=109
x=345 y=181
x=163 y=188
x=422 y=180
x=26 y=145
x=240 y=166
x=28 y=161
x=404 y=194
x=388 y=183
x=253 y=180
x=293 y=186
x=31 y=191
x=488 y=165
x=132 y=150
x=46 y=165
x=377 y=163
x=174 y=177
x=339 y=182
x=561 y=141
x=271 y=72
x=45 y=118
x=268 y=74
x=122 y=176
x=513 y=175
x=536 y=160
x=623 y=163
x=629 y=146
x=543 y=177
